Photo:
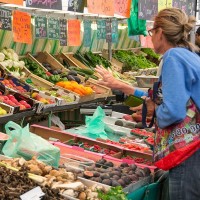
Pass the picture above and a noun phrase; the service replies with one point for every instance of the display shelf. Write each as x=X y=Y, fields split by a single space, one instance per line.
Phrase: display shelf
x=16 y=117
x=20 y=116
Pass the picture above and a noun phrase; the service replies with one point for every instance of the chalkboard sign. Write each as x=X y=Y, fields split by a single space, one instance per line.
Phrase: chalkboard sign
x=147 y=9
x=187 y=6
x=5 y=19
x=114 y=30
x=76 y=5
x=63 y=32
x=108 y=30
x=40 y=27
x=87 y=33
x=53 y=29
x=101 y=29
x=50 y=4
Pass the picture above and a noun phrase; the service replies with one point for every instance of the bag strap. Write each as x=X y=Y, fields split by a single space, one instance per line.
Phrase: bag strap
x=11 y=126
x=144 y=116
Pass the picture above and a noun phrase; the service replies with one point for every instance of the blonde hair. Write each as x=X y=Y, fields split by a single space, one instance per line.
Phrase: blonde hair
x=176 y=26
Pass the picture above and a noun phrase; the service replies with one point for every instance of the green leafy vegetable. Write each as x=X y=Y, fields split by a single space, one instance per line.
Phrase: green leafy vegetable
x=132 y=61
x=115 y=193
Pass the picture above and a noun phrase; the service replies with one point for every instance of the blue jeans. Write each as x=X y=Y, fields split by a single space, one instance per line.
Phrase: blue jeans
x=184 y=180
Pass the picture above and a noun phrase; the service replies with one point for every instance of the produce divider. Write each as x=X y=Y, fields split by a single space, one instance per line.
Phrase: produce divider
x=64 y=140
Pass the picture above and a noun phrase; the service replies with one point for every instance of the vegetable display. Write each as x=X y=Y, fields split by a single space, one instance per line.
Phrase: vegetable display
x=91 y=60
x=107 y=173
x=53 y=77
x=151 y=55
x=75 y=87
x=132 y=61
x=9 y=60
x=113 y=194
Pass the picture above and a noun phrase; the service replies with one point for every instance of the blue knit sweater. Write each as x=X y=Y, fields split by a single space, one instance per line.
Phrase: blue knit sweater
x=180 y=78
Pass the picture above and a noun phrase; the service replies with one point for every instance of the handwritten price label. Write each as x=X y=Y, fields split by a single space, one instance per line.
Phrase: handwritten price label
x=18 y=2
x=74 y=32
x=123 y=7
x=63 y=32
x=22 y=27
x=53 y=29
x=104 y=7
x=40 y=27
x=87 y=33
x=45 y=4
x=5 y=19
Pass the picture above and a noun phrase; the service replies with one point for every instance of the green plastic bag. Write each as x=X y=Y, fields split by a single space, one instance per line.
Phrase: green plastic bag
x=136 y=26
x=95 y=125
x=23 y=143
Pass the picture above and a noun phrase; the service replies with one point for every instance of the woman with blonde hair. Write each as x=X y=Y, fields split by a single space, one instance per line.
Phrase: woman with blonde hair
x=177 y=139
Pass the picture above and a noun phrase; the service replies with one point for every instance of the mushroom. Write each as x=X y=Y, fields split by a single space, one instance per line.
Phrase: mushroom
x=71 y=193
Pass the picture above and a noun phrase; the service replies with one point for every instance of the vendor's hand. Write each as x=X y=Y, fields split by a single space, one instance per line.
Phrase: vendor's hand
x=150 y=107
x=108 y=79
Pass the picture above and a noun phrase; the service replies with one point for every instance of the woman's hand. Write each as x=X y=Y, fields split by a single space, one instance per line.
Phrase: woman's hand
x=108 y=79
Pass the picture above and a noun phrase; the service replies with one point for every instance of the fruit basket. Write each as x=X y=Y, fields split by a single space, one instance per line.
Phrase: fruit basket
x=14 y=84
x=44 y=100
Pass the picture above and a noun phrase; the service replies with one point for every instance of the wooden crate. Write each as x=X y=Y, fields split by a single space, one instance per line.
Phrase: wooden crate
x=103 y=90
x=38 y=81
x=73 y=61
x=43 y=57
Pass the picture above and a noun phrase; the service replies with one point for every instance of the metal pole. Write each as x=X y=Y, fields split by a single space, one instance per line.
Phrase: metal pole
x=110 y=46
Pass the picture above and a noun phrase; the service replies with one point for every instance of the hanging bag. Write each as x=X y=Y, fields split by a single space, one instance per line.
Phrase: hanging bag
x=23 y=143
x=177 y=142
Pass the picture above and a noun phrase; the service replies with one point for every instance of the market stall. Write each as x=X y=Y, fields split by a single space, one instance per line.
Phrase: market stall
x=63 y=134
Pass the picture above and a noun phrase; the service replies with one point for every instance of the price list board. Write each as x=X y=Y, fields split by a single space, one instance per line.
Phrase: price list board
x=5 y=19
x=147 y=9
x=40 y=27
x=45 y=4
x=76 y=5
x=63 y=32
x=53 y=29
x=87 y=33
x=101 y=29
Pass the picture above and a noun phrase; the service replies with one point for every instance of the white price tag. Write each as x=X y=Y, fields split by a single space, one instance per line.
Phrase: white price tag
x=34 y=194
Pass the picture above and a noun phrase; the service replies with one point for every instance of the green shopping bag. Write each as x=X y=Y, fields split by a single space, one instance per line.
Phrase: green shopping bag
x=153 y=191
x=136 y=26
x=23 y=143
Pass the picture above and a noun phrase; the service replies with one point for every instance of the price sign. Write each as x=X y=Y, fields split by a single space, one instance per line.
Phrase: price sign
x=101 y=29
x=169 y=3
x=87 y=33
x=53 y=29
x=45 y=4
x=104 y=7
x=74 y=32
x=114 y=30
x=40 y=27
x=108 y=30
x=5 y=19
x=18 y=2
x=191 y=7
x=123 y=7
x=147 y=9
x=162 y=4
x=181 y=4
x=63 y=32
x=76 y=5
x=22 y=27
